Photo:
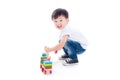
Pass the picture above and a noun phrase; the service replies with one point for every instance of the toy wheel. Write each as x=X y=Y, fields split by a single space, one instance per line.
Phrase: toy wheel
x=40 y=66
x=44 y=71
x=50 y=71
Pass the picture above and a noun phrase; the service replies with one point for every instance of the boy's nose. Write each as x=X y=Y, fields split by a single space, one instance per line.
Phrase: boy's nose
x=59 y=23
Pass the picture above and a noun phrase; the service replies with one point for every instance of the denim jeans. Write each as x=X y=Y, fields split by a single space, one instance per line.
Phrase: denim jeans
x=72 y=48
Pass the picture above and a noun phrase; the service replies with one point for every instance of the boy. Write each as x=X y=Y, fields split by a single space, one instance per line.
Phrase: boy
x=72 y=42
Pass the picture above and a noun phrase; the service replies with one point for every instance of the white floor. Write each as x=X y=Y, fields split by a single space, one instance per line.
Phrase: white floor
x=91 y=66
x=67 y=72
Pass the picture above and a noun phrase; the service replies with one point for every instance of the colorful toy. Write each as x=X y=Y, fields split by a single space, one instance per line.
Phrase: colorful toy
x=46 y=64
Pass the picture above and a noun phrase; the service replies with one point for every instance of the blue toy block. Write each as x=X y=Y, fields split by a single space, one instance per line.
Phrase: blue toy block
x=48 y=62
x=44 y=54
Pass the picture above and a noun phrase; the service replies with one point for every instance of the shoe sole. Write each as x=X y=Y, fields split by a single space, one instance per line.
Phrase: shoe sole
x=66 y=64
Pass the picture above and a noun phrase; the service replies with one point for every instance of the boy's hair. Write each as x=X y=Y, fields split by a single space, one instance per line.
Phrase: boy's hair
x=58 y=12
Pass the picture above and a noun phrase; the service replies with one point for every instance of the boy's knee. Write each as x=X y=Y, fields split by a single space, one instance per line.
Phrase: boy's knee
x=68 y=42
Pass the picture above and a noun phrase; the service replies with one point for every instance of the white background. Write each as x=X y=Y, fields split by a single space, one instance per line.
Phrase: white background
x=26 y=27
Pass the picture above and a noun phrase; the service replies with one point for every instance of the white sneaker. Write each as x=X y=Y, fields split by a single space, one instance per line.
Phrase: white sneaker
x=70 y=61
x=63 y=57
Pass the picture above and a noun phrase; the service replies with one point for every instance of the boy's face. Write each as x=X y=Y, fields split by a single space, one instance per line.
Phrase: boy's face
x=61 y=22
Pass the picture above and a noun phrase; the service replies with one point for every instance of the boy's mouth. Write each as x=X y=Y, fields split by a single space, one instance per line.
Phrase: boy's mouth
x=59 y=27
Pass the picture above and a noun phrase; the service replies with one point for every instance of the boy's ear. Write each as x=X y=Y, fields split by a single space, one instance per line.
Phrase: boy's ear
x=68 y=19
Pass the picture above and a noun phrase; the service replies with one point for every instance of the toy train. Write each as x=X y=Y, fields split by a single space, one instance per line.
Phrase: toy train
x=45 y=63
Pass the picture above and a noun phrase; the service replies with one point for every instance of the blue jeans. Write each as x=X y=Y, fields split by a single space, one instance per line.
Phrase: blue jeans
x=72 y=48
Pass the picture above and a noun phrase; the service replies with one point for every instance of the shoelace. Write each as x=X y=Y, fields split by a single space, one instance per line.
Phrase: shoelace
x=68 y=59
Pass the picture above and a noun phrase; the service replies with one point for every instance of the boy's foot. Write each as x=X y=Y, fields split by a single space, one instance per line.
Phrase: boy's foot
x=63 y=57
x=69 y=61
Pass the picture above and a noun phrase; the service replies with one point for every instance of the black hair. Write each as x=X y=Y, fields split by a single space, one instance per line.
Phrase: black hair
x=58 y=12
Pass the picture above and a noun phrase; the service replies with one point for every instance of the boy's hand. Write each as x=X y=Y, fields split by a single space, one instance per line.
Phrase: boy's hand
x=47 y=49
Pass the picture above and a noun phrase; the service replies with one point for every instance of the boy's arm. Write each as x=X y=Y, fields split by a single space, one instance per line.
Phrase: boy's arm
x=58 y=46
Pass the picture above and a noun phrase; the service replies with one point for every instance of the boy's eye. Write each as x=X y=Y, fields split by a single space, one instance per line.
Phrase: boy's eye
x=60 y=20
x=55 y=21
